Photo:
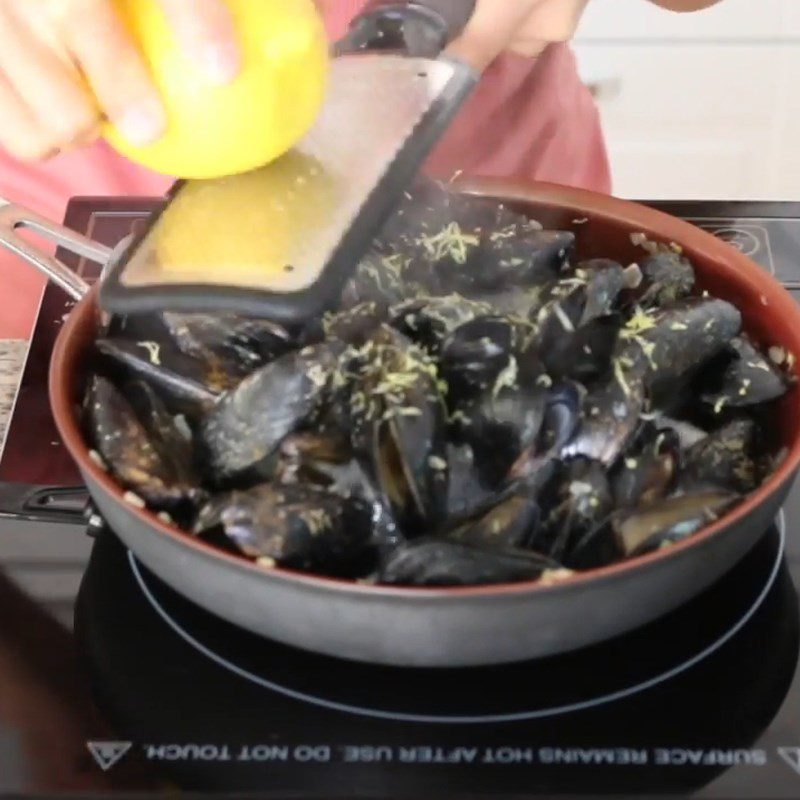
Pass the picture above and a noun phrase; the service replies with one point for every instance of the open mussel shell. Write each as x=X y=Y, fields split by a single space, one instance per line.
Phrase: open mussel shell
x=648 y=469
x=439 y=562
x=144 y=455
x=301 y=527
x=724 y=459
x=609 y=421
x=185 y=383
x=643 y=530
x=248 y=423
x=578 y=498
x=561 y=418
x=411 y=468
x=511 y=521
x=688 y=434
x=746 y=379
x=312 y=456
x=501 y=425
x=399 y=427
x=467 y=492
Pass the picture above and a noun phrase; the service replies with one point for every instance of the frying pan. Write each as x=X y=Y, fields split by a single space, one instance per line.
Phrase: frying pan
x=449 y=626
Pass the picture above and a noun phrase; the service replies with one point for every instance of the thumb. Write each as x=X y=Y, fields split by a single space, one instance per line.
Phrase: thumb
x=491 y=30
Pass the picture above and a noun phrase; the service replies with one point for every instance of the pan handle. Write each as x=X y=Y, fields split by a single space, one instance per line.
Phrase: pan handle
x=14 y=218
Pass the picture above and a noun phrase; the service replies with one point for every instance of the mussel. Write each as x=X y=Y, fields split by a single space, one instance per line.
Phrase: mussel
x=474 y=354
x=248 y=423
x=186 y=384
x=610 y=417
x=438 y=562
x=667 y=276
x=747 y=379
x=428 y=321
x=510 y=522
x=643 y=530
x=148 y=456
x=648 y=469
x=399 y=427
x=467 y=491
x=579 y=499
x=561 y=418
x=302 y=527
x=724 y=459
x=246 y=342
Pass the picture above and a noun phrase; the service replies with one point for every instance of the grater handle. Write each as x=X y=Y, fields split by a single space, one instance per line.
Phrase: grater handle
x=420 y=28
x=454 y=13
x=14 y=217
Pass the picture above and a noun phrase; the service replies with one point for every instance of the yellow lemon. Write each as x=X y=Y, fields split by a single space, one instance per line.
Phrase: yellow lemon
x=215 y=131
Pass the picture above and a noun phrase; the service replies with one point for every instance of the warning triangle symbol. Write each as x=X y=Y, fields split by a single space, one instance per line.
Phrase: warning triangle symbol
x=106 y=754
x=791 y=755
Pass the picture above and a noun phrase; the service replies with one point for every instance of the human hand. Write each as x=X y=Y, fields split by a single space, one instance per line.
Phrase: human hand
x=521 y=26
x=53 y=51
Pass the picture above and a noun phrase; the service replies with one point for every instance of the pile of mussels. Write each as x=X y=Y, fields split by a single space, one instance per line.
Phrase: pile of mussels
x=478 y=409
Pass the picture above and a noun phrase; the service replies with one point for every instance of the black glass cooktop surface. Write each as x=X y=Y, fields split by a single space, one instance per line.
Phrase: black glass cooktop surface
x=140 y=691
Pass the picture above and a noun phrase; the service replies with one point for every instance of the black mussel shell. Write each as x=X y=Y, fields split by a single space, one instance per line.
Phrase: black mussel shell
x=428 y=321
x=474 y=355
x=186 y=384
x=747 y=379
x=609 y=419
x=648 y=469
x=605 y=279
x=301 y=527
x=438 y=562
x=249 y=423
x=355 y=325
x=511 y=520
x=466 y=492
x=519 y=257
x=663 y=345
x=724 y=459
x=127 y=447
x=246 y=342
x=312 y=457
x=399 y=428
x=667 y=276
x=578 y=499
x=501 y=425
x=643 y=530
x=560 y=419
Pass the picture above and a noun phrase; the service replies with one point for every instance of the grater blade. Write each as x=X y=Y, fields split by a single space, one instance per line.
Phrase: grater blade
x=280 y=240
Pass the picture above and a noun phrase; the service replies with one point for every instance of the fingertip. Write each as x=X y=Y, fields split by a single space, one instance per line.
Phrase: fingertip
x=143 y=122
x=222 y=61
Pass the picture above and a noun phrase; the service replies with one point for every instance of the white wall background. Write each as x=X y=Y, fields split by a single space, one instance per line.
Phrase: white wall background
x=703 y=105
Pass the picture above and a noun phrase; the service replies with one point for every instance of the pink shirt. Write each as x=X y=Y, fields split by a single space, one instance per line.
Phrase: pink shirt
x=532 y=119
